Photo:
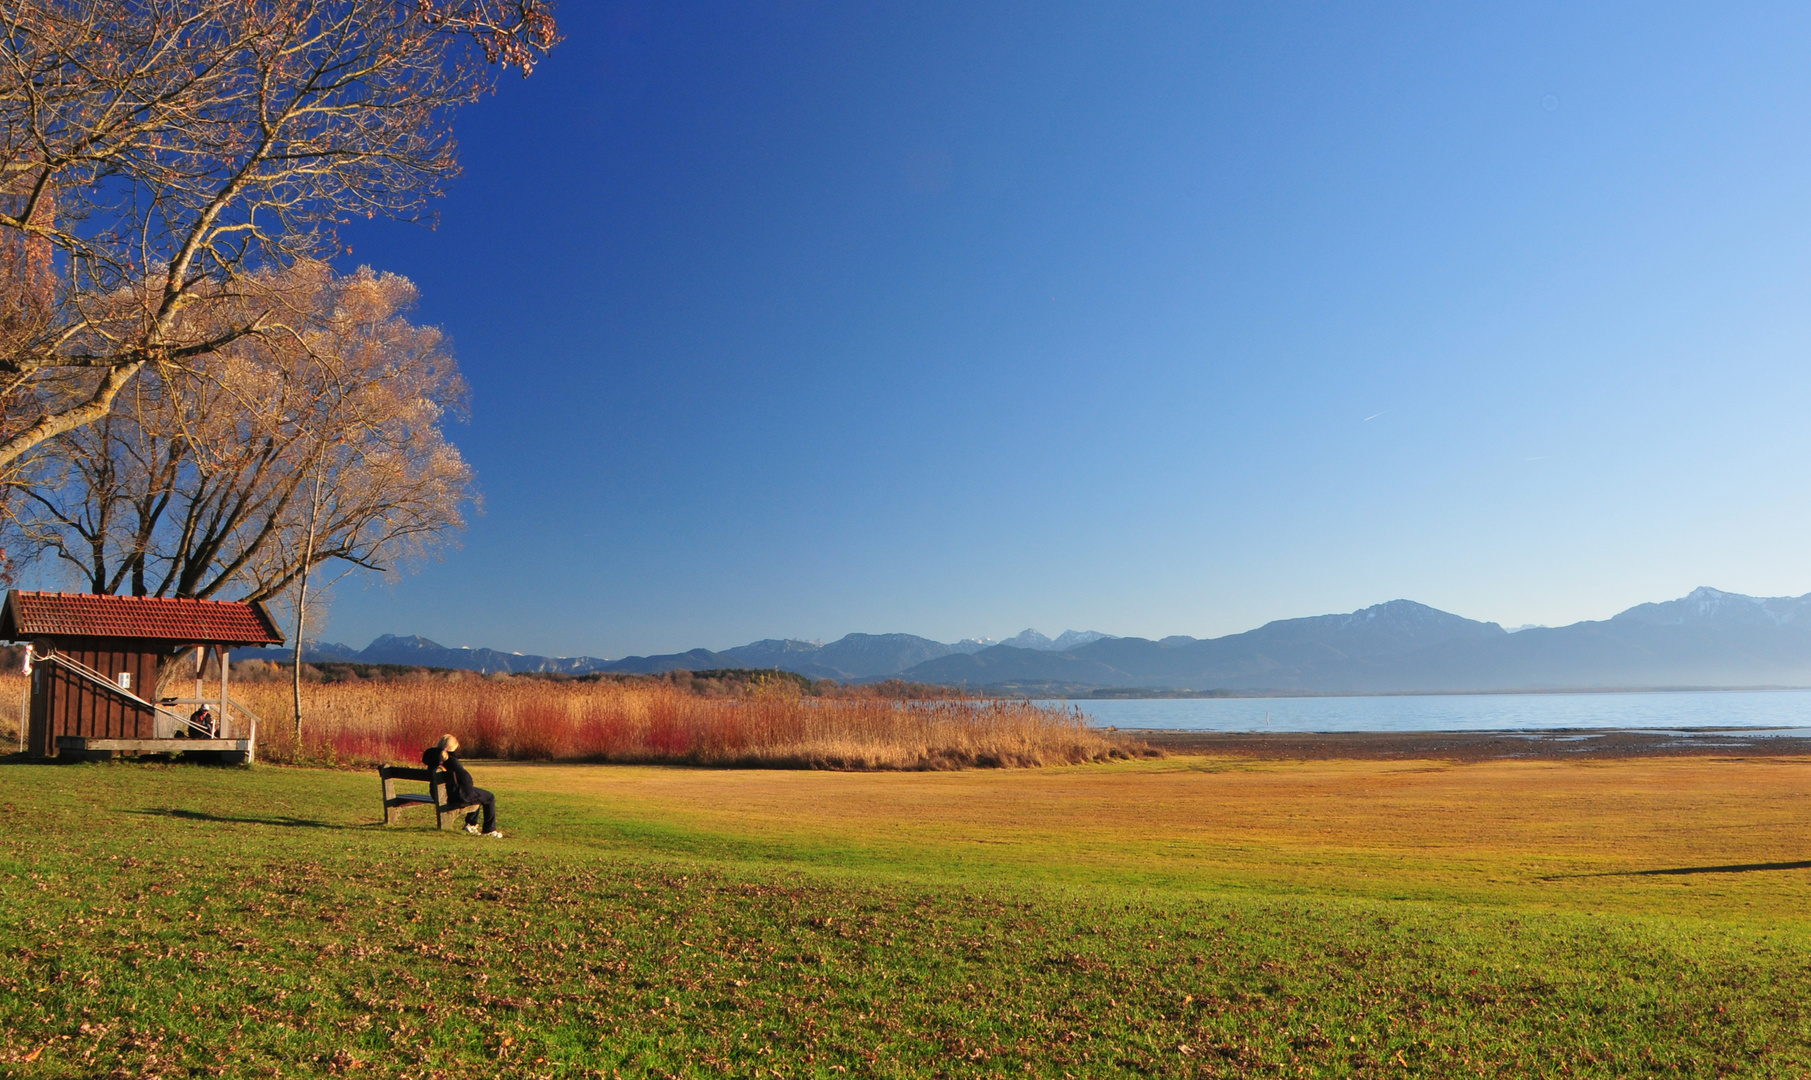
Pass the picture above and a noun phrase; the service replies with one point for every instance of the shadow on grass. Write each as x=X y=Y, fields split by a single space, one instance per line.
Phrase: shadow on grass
x=223 y=819
x=1677 y=871
x=69 y=759
x=1734 y=868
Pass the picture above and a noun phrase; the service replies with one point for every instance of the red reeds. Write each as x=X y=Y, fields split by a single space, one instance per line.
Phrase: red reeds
x=538 y=720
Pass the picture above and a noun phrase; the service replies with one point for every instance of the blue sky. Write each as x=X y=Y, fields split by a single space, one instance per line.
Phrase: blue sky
x=796 y=319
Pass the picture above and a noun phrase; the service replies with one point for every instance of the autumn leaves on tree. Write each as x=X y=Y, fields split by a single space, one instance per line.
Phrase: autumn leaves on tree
x=216 y=476
x=193 y=400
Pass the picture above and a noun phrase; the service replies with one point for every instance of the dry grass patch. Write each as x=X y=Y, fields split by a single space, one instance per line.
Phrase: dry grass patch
x=1705 y=837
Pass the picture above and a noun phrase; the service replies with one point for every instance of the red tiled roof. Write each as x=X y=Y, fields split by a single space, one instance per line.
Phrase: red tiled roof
x=191 y=622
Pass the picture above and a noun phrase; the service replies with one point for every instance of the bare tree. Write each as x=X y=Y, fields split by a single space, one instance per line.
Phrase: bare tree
x=168 y=157
x=248 y=467
x=316 y=490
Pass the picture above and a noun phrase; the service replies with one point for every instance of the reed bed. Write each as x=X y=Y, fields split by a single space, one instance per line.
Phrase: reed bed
x=775 y=726
x=12 y=705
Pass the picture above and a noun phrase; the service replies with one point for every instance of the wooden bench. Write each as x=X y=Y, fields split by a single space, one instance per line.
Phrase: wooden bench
x=446 y=815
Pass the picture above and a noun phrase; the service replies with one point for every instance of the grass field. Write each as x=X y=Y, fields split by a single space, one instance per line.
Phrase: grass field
x=1183 y=917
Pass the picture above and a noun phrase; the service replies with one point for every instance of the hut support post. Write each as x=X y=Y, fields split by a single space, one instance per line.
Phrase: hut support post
x=220 y=653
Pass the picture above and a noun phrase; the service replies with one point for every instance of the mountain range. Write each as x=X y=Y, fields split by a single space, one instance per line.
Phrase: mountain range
x=1708 y=638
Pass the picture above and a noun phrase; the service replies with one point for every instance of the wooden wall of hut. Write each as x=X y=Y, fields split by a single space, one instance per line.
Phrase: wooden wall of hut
x=64 y=703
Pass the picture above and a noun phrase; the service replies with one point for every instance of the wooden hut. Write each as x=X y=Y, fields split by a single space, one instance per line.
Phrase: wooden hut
x=93 y=662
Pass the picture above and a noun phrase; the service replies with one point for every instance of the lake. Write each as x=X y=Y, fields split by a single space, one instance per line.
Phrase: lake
x=1788 y=710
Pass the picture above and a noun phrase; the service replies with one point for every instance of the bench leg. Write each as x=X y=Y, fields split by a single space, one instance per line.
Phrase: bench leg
x=392 y=813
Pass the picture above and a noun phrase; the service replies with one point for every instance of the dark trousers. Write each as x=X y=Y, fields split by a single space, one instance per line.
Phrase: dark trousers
x=489 y=802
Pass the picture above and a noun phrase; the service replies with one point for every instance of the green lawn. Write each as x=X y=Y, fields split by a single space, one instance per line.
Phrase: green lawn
x=178 y=921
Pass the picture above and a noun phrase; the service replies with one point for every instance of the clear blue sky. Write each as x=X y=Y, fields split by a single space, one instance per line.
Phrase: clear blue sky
x=795 y=319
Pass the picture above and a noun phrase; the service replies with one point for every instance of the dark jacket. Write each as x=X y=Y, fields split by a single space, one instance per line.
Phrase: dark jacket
x=459 y=782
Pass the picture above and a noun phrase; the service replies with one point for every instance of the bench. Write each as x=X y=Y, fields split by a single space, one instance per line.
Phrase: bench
x=446 y=815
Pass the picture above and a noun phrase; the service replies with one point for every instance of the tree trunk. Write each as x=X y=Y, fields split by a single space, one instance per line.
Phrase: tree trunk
x=314 y=513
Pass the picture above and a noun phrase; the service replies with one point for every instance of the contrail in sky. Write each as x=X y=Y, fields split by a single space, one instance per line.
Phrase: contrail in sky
x=1371 y=417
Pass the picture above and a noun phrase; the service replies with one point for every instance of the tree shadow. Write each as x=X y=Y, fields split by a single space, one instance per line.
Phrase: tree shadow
x=282 y=821
x=1733 y=868
x=1679 y=871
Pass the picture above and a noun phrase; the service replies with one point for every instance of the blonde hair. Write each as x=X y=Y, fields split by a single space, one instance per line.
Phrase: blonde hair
x=448 y=744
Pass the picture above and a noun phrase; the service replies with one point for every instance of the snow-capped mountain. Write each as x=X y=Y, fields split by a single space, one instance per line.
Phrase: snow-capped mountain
x=1707 y=638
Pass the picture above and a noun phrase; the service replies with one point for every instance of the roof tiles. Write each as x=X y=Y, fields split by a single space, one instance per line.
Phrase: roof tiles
x=146 y=618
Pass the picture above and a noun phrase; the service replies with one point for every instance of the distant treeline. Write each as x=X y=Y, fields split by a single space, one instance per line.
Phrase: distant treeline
x=716 y=682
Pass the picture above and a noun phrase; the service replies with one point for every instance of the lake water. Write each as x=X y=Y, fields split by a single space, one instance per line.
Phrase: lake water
x=1786 y=710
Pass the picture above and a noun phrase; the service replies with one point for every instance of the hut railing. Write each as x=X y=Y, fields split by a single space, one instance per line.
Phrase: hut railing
x=251 y=751
x=252 y=719
x=83 y=671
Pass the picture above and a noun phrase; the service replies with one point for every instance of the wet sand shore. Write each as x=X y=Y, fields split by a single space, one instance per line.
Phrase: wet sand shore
x=1479 y=745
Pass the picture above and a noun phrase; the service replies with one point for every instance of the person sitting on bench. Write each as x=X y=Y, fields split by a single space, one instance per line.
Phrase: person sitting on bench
x=201 y=723
x=460 y=790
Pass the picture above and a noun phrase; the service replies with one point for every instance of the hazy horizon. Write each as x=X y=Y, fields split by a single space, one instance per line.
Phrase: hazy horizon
x=989 y=639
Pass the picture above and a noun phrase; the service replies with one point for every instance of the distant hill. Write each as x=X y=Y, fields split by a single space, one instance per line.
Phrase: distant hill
x=1069 y=639
x=416 y=651
x=1004 y=665
x=1709 y=638
x=852 y=658
x=1347 y=651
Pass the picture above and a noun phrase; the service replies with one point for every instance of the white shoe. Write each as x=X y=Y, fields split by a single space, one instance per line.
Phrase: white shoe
x=473 y=829
x=494 y=834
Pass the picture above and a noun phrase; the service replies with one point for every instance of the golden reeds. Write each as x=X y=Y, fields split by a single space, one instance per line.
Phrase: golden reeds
x=12 y=705
x=524 y=719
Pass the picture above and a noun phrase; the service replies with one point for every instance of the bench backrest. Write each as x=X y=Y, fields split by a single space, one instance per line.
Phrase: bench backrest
x=438 y=781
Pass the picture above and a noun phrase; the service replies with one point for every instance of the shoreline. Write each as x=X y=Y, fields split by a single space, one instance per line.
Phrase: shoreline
x=1560 y=744
x=1139 y=694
